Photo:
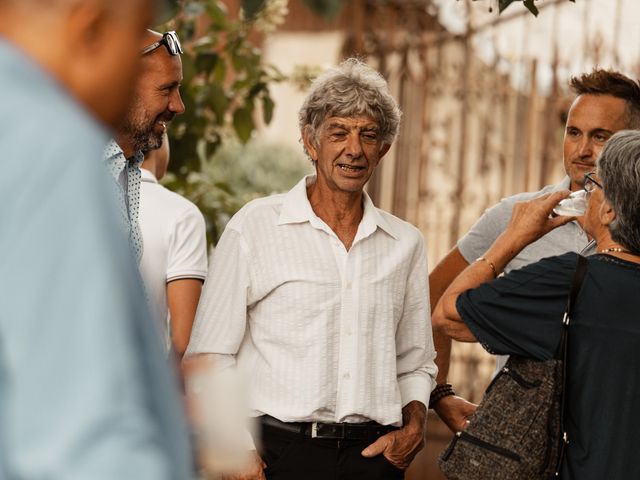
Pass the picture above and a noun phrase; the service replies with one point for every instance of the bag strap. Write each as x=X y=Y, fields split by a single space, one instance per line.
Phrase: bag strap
x=561 y=353
x=576 y=285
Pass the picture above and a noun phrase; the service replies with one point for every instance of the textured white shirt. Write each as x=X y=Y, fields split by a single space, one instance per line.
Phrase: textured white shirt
x=175 y=244
x=324 y=334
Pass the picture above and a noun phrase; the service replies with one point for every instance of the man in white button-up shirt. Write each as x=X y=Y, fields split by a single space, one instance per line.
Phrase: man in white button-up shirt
x=322 y=299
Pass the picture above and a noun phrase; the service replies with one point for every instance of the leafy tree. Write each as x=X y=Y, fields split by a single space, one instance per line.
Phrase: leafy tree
x=224 y=81
x=225 y=85
x=236 y=174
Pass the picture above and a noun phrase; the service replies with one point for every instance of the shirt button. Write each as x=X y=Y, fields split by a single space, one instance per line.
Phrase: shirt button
x=346 y=376
x=348 y=285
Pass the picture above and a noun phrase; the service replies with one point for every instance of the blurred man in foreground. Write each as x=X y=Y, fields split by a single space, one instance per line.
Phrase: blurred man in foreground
x=85 y=392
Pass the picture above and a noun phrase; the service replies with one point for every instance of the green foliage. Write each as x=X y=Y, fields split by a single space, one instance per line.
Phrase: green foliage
x=236 y=174
x=225 y=82
x=325 y=8
x=252 y=7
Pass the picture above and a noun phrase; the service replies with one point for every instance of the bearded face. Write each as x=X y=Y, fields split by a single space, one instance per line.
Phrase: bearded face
x=145 y=129
x=155 y=102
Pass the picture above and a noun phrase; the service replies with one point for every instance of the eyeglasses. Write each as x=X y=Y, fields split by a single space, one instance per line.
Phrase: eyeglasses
x=591 y=183
x=169 y=40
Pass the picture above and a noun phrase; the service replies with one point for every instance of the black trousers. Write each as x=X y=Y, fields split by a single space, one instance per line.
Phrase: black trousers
x=291 y=456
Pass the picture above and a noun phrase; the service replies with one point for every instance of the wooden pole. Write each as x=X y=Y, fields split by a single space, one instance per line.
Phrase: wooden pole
x=457 y=201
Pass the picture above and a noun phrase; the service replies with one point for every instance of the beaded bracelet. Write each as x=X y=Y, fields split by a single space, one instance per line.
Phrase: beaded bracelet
x=442 y=390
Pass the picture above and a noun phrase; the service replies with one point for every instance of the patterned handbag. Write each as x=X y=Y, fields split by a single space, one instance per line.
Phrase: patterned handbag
x=517 y=432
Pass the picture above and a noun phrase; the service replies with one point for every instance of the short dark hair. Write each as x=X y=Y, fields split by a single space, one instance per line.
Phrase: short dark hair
x=610 y=82
x=619 y=170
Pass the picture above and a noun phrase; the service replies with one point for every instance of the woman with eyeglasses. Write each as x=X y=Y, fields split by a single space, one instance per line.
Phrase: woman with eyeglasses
x=521 y=313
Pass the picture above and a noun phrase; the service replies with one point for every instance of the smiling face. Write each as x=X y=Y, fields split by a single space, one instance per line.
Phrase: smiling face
x=156 y=101
x=347 y=151
x=592 y=120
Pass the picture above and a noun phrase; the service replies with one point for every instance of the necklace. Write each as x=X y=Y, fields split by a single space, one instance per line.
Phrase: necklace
x=614 y=249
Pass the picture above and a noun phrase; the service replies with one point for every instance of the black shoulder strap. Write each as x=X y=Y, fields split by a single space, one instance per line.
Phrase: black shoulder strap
x=576 y=285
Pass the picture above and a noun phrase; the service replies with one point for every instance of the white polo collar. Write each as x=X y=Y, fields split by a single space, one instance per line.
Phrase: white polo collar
x=147 y=176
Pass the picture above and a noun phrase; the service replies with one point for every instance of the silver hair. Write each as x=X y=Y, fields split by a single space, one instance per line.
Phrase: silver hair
x=350 y=90
x=619 y=170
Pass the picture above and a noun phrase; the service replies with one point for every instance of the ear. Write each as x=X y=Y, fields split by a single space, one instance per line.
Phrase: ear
x=383 y=150
x=308 y=140
x=606 y=213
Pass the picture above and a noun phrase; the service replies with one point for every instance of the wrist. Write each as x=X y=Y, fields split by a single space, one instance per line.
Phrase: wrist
x=414 y=416
x=508 y=244
x=441 y=391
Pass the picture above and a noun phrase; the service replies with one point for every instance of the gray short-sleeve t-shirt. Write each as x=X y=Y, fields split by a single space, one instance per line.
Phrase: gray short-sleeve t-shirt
x=567 y=238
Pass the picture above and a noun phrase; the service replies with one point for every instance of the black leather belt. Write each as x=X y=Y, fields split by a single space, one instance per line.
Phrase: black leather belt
x=335 y=431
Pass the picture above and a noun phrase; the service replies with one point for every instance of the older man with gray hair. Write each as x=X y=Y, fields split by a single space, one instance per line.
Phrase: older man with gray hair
x=322 y=299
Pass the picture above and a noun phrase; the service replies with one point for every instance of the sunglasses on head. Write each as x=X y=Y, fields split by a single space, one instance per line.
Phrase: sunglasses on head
x=169 y=40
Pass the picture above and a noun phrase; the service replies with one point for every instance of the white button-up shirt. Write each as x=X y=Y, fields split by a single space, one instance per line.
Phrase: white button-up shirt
x=323 y=333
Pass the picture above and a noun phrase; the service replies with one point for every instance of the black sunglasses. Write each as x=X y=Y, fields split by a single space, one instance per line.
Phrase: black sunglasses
x=591 y=183
x=169 y=40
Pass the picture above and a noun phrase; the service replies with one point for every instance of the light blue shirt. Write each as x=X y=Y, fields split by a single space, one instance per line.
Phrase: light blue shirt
x=85 y=389
x=127 y=178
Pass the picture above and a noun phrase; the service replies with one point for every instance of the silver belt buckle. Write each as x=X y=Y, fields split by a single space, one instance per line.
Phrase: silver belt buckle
x=314 y=430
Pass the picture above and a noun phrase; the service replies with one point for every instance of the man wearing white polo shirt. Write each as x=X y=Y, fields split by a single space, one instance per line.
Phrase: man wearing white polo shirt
x=174 y=261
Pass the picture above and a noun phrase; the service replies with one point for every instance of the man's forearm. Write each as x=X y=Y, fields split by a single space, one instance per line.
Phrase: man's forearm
x=414 y=415
x=441 y=277
x=442 y=345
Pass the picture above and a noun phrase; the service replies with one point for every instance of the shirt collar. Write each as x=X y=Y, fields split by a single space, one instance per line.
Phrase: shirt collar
x=147 y=176
x=114 y=156
x=297 y=209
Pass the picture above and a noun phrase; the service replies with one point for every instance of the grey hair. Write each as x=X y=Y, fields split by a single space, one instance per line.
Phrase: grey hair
x=619 y=170
x=349 y=90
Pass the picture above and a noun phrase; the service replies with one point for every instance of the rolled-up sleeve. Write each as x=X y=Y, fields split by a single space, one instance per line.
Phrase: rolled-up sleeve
x=414 y=341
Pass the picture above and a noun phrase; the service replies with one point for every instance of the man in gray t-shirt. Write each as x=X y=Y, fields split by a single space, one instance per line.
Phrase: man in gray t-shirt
x=568 y=237
x=605 y=102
